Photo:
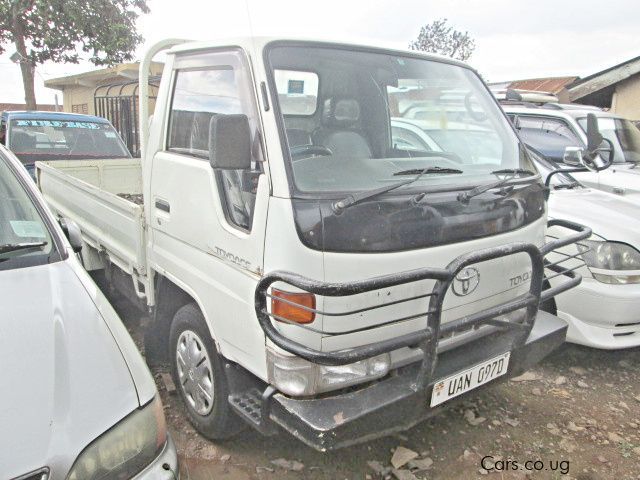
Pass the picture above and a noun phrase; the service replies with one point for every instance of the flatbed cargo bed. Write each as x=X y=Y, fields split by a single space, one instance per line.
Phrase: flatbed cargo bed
x=104 y=197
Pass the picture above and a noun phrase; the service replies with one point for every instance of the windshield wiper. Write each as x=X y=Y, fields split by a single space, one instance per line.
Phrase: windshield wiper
x=568 y=186
x=512 y=173
x=346 y=202
x=12 y=247
x=418 y=171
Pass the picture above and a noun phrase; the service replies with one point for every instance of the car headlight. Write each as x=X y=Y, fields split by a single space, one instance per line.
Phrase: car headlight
x=126 y=449
x=296 y=376
x=611 y=262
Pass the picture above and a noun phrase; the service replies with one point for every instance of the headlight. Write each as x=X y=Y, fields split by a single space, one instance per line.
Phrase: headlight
x=611 y=262
x=297 y=376
x=126 y=449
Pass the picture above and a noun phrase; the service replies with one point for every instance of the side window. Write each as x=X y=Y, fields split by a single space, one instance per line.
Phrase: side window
x=222 y=87
x=548 y=136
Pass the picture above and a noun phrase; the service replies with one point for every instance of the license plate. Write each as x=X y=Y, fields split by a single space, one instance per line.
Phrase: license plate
x=469 y=379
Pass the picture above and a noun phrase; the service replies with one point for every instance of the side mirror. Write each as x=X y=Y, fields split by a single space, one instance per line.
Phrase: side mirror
x=230 y=142
x=594 y=137
x=599 y=152
x=72 y=232
x=573 y=156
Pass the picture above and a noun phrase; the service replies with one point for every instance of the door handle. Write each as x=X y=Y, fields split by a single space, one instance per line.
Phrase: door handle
x=163 y=205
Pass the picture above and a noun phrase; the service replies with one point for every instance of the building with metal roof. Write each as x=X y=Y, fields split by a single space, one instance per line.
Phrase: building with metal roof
x=111 y=93
x=615 y=88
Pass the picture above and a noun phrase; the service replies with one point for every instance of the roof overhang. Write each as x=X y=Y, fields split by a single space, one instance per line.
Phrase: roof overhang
x=604 y=79
x=124 y=71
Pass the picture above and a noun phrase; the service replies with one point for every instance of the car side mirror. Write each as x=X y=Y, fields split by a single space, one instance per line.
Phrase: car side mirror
x=72 y=232
x=230 y=142
x=594 y=137
x=573 y=156
x=599 y=152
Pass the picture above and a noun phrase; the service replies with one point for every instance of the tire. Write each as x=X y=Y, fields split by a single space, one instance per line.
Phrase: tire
x=199 y=376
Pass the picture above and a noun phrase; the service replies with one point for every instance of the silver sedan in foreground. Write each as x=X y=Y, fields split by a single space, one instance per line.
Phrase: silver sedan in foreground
x=77 y=401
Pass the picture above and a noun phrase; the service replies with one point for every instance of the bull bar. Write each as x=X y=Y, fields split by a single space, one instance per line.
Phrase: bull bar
x=427 y=338
x=303 y=417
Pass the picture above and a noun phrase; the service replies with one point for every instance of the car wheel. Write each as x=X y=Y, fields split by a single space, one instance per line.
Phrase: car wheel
x=199 y=375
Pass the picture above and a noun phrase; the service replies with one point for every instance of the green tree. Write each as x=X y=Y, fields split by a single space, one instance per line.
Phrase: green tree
x=66 y=31
x=439 y=37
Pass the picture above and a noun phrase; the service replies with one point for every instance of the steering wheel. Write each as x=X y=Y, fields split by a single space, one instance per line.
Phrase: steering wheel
x=303 y=151
x=477 y=116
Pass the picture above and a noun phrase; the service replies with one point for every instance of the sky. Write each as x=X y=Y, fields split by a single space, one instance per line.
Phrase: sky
x=514 y=39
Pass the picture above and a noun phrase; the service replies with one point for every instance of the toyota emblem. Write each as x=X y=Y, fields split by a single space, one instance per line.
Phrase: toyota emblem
x=466 y=281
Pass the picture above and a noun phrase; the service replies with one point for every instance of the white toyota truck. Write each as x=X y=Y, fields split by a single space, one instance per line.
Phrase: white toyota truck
x=303 y=271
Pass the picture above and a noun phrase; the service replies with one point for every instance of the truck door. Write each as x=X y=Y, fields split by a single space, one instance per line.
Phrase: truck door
x=207 y=224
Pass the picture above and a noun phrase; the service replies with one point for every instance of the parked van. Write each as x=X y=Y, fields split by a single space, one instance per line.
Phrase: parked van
x=34 y=135
x=303 y=271
x=77 y=401
x=556 y=130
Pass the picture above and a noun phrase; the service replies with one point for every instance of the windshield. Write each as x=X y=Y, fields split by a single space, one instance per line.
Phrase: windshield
x=24 y=238
x=624 y=135
x=360 y=120
x=33 y=140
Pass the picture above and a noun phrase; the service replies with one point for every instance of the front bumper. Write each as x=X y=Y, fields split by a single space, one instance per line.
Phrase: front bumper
x=602 y=315
x=335 y=421
x=157 y=470
x=397 y=403
x=611 y=337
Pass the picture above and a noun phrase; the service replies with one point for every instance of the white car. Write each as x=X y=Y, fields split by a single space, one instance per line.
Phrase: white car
x=78 y=401
x=554 y=127
x=604 y=310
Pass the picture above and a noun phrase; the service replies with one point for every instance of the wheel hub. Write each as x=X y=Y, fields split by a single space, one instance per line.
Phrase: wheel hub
x=195 y=372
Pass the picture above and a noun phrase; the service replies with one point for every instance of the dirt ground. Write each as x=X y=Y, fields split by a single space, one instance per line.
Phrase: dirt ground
x=577 y=415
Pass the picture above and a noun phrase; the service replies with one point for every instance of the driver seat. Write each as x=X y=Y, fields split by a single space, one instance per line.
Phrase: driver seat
x=341 y=129
x=84 y=144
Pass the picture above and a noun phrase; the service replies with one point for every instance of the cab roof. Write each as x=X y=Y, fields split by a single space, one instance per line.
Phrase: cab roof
x=60 y=116
x=259 y=42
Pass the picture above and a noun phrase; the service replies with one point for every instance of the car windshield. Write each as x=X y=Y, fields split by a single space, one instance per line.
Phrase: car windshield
x=354 y=119
x=24 y=237
x=33 y=140
x=624 y=135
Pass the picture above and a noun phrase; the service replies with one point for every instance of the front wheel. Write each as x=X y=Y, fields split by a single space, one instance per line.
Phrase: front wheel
x=199 y=375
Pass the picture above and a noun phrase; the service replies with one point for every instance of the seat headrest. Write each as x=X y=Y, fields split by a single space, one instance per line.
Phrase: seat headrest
x=341 y=113
x=21 y=140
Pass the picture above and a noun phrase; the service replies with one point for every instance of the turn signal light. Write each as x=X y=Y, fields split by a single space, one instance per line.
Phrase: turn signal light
x=292 y=312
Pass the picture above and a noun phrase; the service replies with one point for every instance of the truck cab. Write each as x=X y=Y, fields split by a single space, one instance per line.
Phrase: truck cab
x=305 y=270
